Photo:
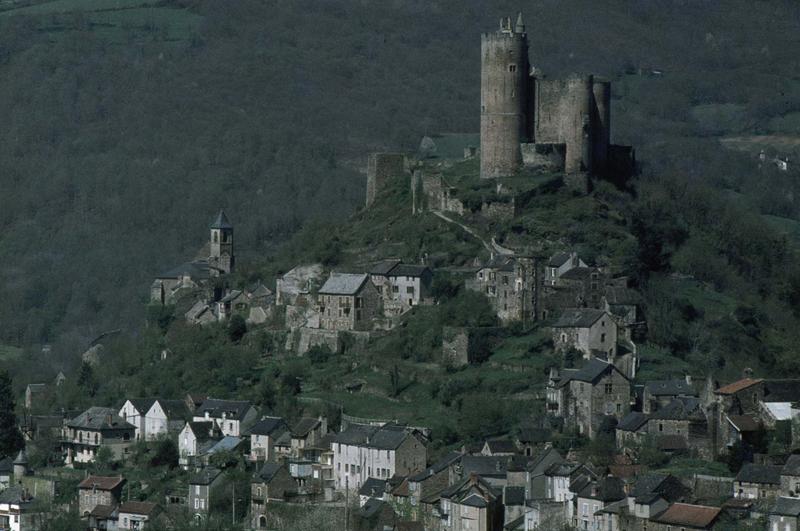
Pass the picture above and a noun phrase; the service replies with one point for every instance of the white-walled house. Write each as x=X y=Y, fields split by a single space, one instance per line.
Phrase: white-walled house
x=363 y=451
x=134 y=410
x=195 y=438
x=590 y=331
x=263 y=435
x=165 y=417
x=233 y=417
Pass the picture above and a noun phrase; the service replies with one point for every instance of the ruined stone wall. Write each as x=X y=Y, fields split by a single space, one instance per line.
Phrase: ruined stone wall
x=550 y=157
x=430 y=192
x=381 y=168
x=497 y=211
x=504 y=78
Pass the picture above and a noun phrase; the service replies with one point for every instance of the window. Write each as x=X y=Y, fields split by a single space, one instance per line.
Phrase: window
x=660 y=426
x=346 y=468
x=602 y=338
x=609 y=388
x=512 y=68
x=410 y=290
x=619 y=408
x=197 y=503
x=258 y=491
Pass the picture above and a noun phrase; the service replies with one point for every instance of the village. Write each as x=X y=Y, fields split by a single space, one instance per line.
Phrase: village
x=382 y=472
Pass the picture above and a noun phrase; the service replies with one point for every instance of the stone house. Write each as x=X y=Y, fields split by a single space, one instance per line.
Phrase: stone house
x=96 y=427
x=512 y=286
x=348 y=302
x=165 y=417
x=757 y=482
x=659 y=393
x=625 y=304
x=99 y=490
x=202 y=484
x=402 y=286
x=685 y=516
x=195 y=439
x=134 y=410
x=649 y=495
x=583 y=397
x=427 y=483
x=592 y=498
x=684 y=420
x=137 y=515
x=232 y=416
x=363 y=451
x=272 y=483
x=375 y=514
x=784 y=515
x=296 y=286
x=233 y=302
x=559 y=264
x=631 y=430
x=262 y=438
x=472 y=505
x=790 y=477
x=584 y=285
x=307 y=432
x=170 y=285
x=592 y=332
x=371 y=488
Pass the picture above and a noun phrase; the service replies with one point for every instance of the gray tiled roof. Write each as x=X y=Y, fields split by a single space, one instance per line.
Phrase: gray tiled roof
x=632 y=421
x=268 y=425
x=205 y=476
x=174 y=409
x=680 y=408
x=387 y=437
x=99 y=418
x=221 y=221
x=383 y=267
x=678 y=386
x=197 y=269
x=792 y=466
x=767 y=474
x=786 y=507
x=408 y=270
x=233 y=409
x=142 y=405
x=343 y=284
x=590 y=372
x=605 y=489
x=559 y=259
x=579 y=318
x=304 y=426
x=373 y=488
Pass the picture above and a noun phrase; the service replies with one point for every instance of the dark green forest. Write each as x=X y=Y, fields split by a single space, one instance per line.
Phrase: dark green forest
x=123 y=130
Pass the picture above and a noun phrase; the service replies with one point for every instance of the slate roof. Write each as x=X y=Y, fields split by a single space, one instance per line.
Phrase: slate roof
x=792 y=466
x=196 y=269
x=485 y=466
x=786 y=507
x=534 y=435
x=101 y=482
x=632 y=421
x=234 y=409
x=174 y=409
x=559 y=259
x=142 y=405
x=735 y=387
x=766 y=474
x=97 y=418
x=473 y=491
x=202 y=430
x=15 y=495
x=678 y=386
x=373 y=488
x=372 y=508
x=387 y=437
x=744 y=423
x=544 y=460
x=622 y=296
x=6 y=465
x=36 y=387
x=304 y=426
x=699 y=516
x=137 y=507
x=578 y=273
x=408 y=270
x=221 y=221
x=233 y=295
x=227 y=443
x=268 y=472
x=205 y=476
x=606 y=489
x=579 y=318
x=343 y=284
x=680 y=408
x=383 y=267
x=501 y=446
x=437 y=467
x=103 y=512
x=590 y=372
x=267 y=426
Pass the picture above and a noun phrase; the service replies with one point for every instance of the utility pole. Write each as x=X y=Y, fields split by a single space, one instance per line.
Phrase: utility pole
x=233 y=503
x=346 y=502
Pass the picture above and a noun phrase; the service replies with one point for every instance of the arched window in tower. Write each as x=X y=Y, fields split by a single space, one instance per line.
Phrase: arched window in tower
x=512 y=68
x=216 y=237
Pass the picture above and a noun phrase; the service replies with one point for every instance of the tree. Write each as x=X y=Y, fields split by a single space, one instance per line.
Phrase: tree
x=11 y=440
x=86 y=379
x=237 y=328
x=166 y=454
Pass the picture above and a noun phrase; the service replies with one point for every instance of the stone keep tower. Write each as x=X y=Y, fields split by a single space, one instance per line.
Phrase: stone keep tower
x=504 y=98
x=220 y=257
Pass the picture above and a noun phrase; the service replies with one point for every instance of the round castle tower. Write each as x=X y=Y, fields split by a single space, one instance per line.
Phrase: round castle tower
x=504 y=97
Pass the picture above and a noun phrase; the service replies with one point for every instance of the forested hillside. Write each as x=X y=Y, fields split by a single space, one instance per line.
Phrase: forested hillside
x=125 y=126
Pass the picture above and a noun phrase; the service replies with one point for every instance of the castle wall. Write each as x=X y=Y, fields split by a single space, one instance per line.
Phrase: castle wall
x=381 y=168
x=563 y=116
x=601 y=123
x=504 y=78
x=545 y=156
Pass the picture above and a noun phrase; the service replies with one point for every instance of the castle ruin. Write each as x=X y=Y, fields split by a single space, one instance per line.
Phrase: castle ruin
x=531 y=121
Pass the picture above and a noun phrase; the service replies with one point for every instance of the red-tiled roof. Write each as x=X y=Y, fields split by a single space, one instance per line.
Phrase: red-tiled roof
x=735 y=387
x=101 y=482
x=698 y=516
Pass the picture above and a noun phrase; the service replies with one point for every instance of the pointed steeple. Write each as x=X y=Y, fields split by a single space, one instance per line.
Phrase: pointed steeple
x=221 y=222
x=520 y=27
